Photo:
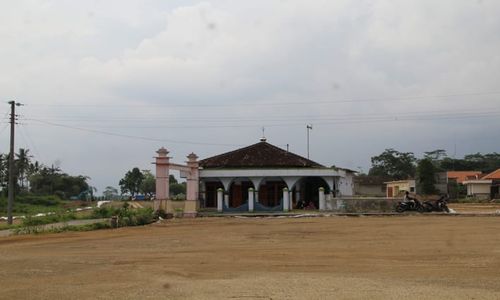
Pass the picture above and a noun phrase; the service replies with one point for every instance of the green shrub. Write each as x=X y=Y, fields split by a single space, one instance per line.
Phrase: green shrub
x=160 y=214
x=138 y=217
x=39 y=200
x=105 y=212
x=126 y=216
x=179 y=197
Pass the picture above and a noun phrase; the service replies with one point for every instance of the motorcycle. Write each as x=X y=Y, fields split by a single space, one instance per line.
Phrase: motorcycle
x=410 y=206
x=440 y=205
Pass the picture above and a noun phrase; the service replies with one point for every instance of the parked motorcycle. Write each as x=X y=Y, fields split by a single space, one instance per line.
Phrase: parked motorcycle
x=414 y=205
x=440 y=205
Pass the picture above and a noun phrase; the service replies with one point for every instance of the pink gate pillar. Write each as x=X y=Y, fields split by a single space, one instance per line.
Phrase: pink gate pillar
x=192 y=174
x=193 y=178
x=162 y=174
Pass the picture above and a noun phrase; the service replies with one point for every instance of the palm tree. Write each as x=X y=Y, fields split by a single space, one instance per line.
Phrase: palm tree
x=22 y=164
x=3 y=170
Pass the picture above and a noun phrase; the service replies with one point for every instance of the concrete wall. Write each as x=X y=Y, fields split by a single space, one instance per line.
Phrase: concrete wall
x=369 y=190
x=441 y=183
x=189 y=208
x=481 y=190
x=360 y=205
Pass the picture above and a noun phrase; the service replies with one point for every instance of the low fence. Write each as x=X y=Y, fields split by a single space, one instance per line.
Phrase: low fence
x=361 y=205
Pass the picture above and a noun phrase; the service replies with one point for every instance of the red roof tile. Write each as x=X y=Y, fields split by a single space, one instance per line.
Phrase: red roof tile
x=461 y=176
x=260 y=155
x=495 y=175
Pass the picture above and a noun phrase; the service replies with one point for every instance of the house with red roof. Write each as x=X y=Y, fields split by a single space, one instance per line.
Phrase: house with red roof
x=484 y=187
x=461 y=176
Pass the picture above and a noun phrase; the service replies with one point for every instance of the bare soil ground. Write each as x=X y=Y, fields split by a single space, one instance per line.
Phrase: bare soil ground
x=412 y=257
x=477 y=208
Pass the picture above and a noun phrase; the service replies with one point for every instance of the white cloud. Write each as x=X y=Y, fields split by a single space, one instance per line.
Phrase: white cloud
x=122 y=53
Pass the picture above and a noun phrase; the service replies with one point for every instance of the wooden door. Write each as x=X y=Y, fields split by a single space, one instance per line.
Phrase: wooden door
x=236 y=196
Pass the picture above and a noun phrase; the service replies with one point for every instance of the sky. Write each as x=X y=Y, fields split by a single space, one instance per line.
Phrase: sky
x=106 y=83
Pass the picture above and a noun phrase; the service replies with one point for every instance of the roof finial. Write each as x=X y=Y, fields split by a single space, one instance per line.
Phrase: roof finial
x=263 y=138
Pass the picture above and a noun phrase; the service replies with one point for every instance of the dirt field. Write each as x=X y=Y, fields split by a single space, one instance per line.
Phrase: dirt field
x=416 y=257
x=476 y=208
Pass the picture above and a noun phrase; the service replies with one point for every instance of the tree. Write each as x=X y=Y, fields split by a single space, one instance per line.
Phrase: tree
x=132 y=181
x=172 y=179
x=485 y=163
x=110 y=192
x=426 y=176
x=435 y=155
x=50 y=181
x=393 y=164
x=22 y=164
x=148 y=185
x=177 y=188
x=4 y=178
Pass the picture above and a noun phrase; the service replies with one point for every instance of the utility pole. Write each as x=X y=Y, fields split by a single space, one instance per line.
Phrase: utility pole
x=10 y=203
x=308 y=127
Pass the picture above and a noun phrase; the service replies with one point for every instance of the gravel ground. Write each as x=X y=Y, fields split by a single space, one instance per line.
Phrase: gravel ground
x=410 y=257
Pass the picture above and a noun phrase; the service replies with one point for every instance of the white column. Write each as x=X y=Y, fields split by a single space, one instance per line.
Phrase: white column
x=226 y=200
x=321 y=198
x=220 y=194
x=286 y=199
x=250 y=199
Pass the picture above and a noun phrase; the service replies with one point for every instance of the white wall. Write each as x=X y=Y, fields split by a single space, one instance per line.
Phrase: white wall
x=346 y=185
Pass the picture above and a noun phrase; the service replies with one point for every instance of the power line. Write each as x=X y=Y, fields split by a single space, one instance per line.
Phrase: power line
x=134 y=136
x=420 y=118
x=250 y=103
x=5 y=127
x=177 y=117
x=24 y=133
x=337 y=119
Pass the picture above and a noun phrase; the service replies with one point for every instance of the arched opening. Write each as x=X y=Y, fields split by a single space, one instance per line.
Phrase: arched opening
x=238 y=192
x=211 y=187
x=305 y=193
x=271 y=193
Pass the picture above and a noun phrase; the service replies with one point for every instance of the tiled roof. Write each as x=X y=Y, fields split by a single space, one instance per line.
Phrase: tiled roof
x=461 y=176
x=495 y=175
x=371 y=180
x=260 y=155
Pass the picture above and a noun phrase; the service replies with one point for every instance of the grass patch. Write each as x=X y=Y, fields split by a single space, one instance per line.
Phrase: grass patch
x=7 y=226
x=40 y=229
x=87 y=227
x=125 y=217
x=472 y=200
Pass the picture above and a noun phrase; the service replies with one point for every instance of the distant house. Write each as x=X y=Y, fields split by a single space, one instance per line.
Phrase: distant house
x=399 y=187
x=484 y=187
x=461 y=176
x=370 y=186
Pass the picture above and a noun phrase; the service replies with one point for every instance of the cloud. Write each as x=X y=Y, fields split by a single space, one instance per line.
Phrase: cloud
x=218 y=54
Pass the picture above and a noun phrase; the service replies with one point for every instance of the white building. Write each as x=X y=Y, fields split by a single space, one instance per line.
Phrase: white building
x=263 y=177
